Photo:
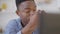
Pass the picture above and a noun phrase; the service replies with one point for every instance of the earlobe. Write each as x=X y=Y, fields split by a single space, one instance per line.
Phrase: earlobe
x=17 y=12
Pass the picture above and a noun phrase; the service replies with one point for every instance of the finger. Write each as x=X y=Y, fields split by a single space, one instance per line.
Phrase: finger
x=43 y=12
x=39 y=12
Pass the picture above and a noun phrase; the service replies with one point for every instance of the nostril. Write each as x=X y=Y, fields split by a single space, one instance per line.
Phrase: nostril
x=31 y=14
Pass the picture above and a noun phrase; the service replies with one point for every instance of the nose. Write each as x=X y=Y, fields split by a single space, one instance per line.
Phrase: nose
x=31 y=13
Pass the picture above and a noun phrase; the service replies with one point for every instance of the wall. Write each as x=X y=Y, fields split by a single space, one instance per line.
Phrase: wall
x=9 y=13
x=53 y=7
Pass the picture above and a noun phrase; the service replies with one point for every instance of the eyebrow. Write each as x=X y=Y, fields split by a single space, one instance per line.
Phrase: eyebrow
x=35 y=6
x=29 y=8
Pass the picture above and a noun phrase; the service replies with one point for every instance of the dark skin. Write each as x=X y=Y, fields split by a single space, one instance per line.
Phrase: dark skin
x=29 y=16
x=26 y=10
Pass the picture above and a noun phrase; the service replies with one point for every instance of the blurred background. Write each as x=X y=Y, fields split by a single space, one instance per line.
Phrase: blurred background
x=51 y=20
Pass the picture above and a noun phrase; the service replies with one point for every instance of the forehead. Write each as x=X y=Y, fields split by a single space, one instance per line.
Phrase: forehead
x=27 y=4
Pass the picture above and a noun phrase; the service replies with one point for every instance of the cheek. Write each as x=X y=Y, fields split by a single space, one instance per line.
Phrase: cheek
x=23 y=16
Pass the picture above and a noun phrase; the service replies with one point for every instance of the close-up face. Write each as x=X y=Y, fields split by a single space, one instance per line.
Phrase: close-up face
x=26 y=10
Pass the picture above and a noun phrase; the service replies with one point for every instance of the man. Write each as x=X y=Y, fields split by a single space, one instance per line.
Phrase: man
x=28 y=20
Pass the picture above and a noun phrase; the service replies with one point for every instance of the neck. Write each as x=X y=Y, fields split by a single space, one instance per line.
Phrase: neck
x=23 y=23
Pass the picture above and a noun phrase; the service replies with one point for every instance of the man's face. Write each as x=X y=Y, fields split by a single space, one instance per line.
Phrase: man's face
x=26 y=10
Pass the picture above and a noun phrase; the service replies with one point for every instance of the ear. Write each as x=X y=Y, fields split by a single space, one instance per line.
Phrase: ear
x=18 y=12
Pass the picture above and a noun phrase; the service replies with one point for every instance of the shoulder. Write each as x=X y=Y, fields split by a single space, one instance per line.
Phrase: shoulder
x=13 y=22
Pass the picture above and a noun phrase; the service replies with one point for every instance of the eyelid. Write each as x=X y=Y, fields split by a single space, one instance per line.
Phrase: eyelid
x=34 y=10
x=27 y=11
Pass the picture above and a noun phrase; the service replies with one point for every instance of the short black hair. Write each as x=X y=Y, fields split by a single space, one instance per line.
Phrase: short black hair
x=20 y=1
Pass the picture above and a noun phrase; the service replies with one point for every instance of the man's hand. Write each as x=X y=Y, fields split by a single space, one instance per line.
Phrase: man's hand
x=33 y=23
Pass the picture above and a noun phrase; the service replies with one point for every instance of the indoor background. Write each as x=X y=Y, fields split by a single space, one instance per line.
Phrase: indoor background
x=51 y=7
